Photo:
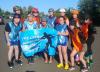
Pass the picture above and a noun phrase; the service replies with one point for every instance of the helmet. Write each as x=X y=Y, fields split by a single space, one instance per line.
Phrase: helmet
x=75 y=12
x=16 y=16
x=51 y=10
x=35 y=10
x=44 y=18
x=16 y=8
x=62 y=10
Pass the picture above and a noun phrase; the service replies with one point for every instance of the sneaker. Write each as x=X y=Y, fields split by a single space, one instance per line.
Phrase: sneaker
x=66 y=67
x=88 y=65
x=84 y=70
x=72 y=68
x=19 y=62
x=91 y=61
x=10 y=64
x=60 y=65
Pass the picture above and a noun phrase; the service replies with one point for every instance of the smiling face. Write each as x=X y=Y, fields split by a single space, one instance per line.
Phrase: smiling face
x=74 y=16
x=30 y=18
x=61 y=20
x=51 y=13
x=72 y=27
x=62 y=13
x=18 y=12
x=35 y=14
x=44 y=23
x=89 y=21
x=16 y=20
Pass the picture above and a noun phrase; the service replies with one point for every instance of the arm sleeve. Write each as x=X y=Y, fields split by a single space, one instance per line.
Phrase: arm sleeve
x=7 y=28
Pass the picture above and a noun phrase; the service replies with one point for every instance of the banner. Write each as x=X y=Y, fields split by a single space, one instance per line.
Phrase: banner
x=37 y=40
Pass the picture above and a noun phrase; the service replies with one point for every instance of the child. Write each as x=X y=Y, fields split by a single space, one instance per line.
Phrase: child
x=90 y=40
x=63 y=14
x=75 y=21
x=79 y=46
x=62 y=43
x=12 y=30
x=49 y=50
x=36 y=17
x=29 y=24
x=51 y=18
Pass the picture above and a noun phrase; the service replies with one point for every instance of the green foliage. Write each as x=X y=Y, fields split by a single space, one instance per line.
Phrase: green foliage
x=90 y=8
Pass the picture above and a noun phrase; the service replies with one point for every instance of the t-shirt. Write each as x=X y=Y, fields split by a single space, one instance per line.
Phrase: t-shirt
x=29 y=26
x=13 y=30
x=62 y=39
x=51 y=21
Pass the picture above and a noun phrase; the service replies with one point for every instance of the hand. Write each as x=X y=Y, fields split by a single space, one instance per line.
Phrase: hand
x=8 y=44
x=22 y=30
x=59 y=33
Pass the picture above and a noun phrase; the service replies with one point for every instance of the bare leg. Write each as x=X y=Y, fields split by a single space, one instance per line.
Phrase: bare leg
x=16 y=52
x=46 y=57
x=82 y=59
x=60 y=54
x=10 y=53
x=64 y=51
x=72 y=57
x=51 y=58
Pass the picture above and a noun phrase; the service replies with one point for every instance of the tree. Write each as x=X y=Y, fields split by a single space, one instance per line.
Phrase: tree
x=24 y=12
x=90 y=8
x=30 y=9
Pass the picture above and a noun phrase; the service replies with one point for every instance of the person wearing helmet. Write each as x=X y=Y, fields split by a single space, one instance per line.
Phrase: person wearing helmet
x=75 y=19
x=63 y=13
x=29 y=24
x=48 y=50
x=51 y=24
x=12 y=30
x=51 y=18
x=17 y=10
x=44 y=23
x=35 y=13
x=75 y=22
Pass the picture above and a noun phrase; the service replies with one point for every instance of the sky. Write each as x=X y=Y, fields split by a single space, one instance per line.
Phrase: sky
x=42 y=5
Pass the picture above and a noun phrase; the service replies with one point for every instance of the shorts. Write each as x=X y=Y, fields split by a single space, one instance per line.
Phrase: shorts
x=84 y=47
x=14 y=43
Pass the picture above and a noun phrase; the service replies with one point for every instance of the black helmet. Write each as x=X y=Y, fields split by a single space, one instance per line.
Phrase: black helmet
x=51 y=10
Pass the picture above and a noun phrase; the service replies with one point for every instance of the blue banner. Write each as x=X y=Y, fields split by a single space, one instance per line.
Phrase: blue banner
x=38 y=40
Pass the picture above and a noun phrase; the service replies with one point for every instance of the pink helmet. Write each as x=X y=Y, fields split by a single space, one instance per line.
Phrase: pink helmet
x=35 y=10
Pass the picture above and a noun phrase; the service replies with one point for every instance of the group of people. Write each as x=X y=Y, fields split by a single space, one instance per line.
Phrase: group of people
x=79 y=37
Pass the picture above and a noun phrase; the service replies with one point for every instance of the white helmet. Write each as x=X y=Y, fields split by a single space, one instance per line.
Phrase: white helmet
x=62 y=10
